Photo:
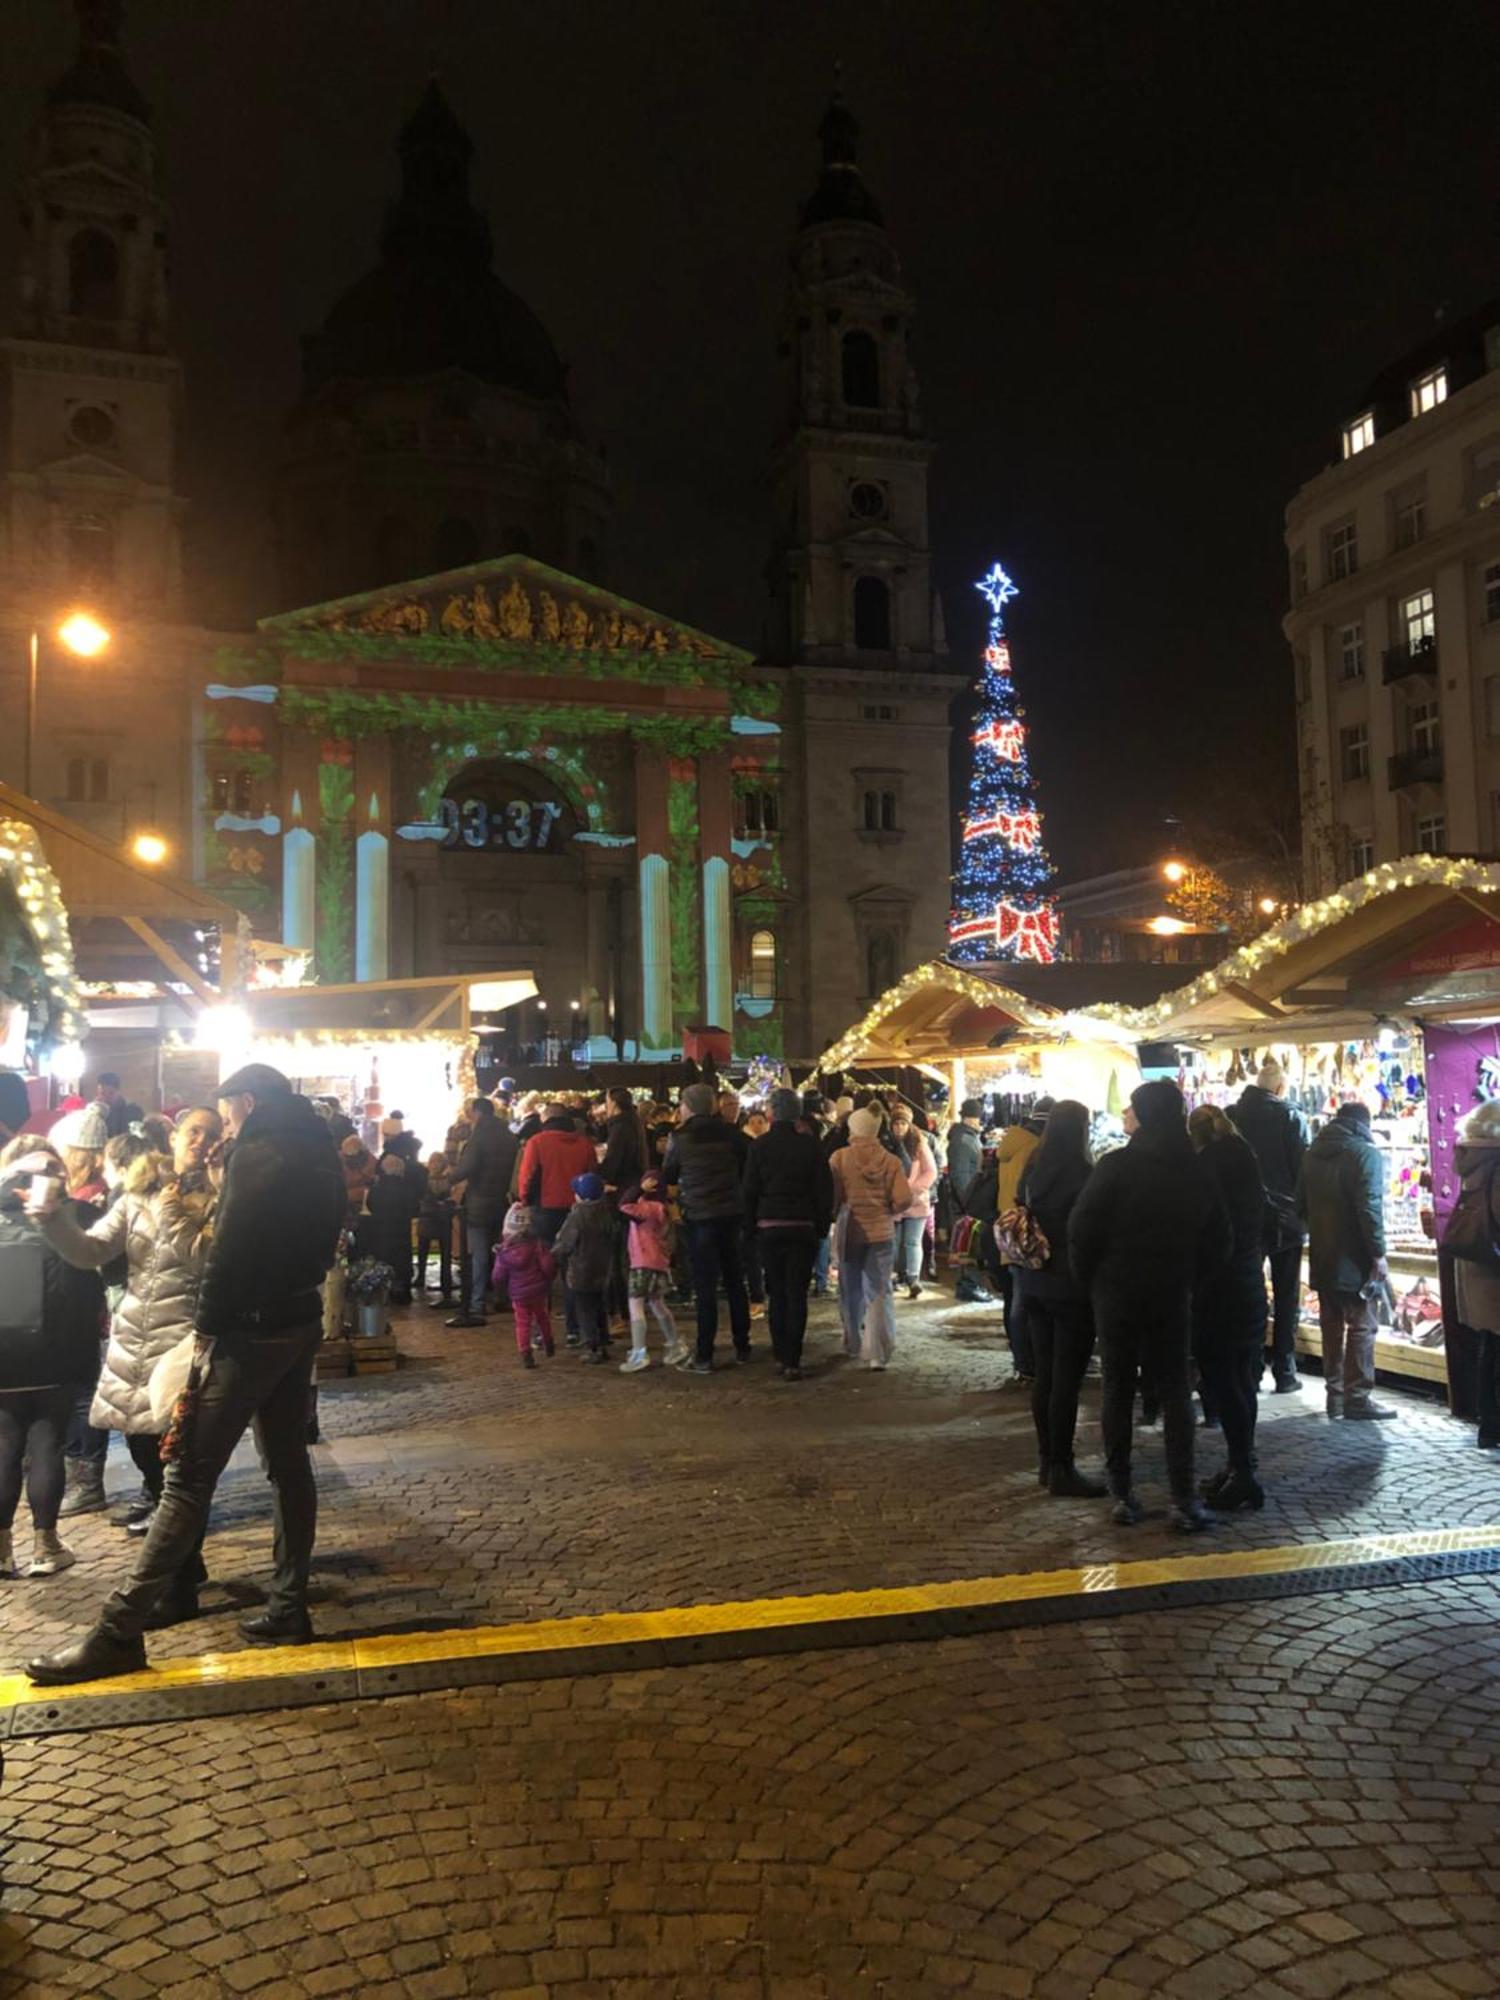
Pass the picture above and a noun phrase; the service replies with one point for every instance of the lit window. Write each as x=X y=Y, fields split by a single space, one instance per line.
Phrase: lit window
x=1343 y=551
x=1354 y=752
x=1432 y=834
x=1492 y=593
x=763 y=965
x=1419 y=621
x=760 y=814
x=1352 y=653
x=1359 y=435
x=1426 y=393
x=1426 y=729
x=1410 y=519
x=1361 y=854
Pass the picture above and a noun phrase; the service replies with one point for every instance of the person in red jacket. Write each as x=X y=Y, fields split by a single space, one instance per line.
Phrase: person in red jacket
x=551 y=1160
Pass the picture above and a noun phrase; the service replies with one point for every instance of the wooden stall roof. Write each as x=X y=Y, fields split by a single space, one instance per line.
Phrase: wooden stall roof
x=1415 y=936
x=386 y=1009
x=99 y=880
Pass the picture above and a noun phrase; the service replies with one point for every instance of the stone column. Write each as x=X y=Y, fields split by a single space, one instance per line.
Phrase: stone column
x=654 y=879
x=715 y=830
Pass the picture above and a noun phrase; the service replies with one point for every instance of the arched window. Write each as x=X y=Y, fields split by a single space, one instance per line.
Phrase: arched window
x=93 y=275
x=455 y=545
x=763 y=965
x=861 y=371
x=872 y=615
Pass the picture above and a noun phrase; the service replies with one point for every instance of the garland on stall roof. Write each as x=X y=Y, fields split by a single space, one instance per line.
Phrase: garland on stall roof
x=1415 y=871
x=36 y=946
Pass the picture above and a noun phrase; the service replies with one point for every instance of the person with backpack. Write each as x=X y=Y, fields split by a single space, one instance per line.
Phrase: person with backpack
x=50 y=1316
x=871 y=1190
x=1055 y=1306
x=1472 y=1240
x=1341 y=1195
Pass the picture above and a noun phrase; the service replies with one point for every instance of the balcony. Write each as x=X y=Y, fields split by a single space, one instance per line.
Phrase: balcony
x=1401 y=662
x=1415 y=767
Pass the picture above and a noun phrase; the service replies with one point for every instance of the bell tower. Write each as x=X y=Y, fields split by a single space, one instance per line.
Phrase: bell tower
x=851 y=568
x=89 y=393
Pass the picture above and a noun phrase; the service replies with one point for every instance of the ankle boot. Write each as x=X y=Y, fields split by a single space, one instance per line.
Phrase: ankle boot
x=1043 y=1471
x=84 y=1487
x=1068 y=1483
x=48 y=1555
x=1236 y=1490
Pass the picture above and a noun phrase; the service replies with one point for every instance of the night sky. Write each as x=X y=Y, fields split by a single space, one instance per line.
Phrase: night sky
x=1157 y=248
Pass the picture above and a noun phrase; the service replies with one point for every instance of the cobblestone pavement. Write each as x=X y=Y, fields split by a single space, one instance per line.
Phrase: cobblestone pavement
x=463 y=1490
x=1292 y=1800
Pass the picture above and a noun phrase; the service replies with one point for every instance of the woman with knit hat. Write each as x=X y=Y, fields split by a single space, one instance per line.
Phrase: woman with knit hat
x=1148 y=1227
x=871 y=1191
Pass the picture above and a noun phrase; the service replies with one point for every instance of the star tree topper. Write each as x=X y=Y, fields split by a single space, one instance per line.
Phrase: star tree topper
x=998 y=589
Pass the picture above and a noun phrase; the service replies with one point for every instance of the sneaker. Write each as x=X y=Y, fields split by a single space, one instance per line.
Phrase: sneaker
x=1127 y=1510
x=48 y=1556
x=684 y=1358
x=1189 y=1516
x=790 y=1374
x=596 y=1357
x=1366 y=1411
x=676 y=1354
x=575 y=1339
x=141 y=1524
x=757 y=1309
x=914 y=1291
x=1066 y=1482
x=635 y=1361
x=703 y=1367
x=465 y=1319
x=1287 y=1385
x=743 y=1356
x=1334 y=1404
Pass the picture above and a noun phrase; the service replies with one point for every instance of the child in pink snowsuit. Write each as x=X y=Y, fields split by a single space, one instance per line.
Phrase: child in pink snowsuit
x=650 y=1275
x=527 y=1267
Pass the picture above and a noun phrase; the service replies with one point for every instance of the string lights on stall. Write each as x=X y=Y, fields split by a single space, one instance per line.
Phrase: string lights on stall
x=1001 y=911
x=58 y=1023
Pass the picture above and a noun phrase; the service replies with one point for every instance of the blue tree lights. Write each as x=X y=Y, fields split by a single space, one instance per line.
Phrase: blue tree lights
x=1001 y=910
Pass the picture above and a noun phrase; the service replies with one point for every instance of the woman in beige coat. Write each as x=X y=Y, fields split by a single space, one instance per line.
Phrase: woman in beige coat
x=871 y=1191
x=1477 y=1159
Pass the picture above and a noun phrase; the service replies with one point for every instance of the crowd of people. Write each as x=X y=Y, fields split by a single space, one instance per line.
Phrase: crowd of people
x=164 y=1281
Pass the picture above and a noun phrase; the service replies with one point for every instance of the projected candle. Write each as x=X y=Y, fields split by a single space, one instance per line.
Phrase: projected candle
x=372 y=878
x=299 y=862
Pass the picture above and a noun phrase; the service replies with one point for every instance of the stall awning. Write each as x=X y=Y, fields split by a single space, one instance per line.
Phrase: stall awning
x=387 y=1009
x=1419 y=937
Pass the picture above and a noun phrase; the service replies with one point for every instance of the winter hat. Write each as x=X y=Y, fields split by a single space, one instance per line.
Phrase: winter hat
x=255 y=1080
x=353 y=1147
x=1355 y=1114
x=786 y=1106
x=700 y=1100
x=518 y=1221
x=863 y=1125
x=588 y=1187
x=85 y=1131
x=1271 y=1076
x=506 y=1087
x=1482 y=1126
x=15 y=1105
x=650 y=1183
x=844 y=1106
x=1159 y=1105
x=392 y=1127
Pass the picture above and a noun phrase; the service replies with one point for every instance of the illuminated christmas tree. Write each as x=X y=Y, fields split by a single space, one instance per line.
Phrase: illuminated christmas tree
x=1001 y=910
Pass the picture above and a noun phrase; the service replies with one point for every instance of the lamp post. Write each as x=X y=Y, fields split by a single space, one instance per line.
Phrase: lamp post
x=84 y=636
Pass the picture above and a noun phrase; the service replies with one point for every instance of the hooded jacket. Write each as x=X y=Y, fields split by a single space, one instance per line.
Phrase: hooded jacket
x=164 y=1235
x=706 y=1163
x=965 y=1156
x=277 y=1227
x=914 y=1156
x=1342 y=1197
x=585 y=1246
x=1275 y=1135
x=869 y=1182
x=1017 y=1144
x=526 y=1267
x=1051 y=1195
x=551 y=1161
x=1148 y=1226
x=648 y=1234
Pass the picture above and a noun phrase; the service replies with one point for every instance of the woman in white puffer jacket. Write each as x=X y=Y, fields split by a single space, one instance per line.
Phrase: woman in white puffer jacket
x=161 y=1224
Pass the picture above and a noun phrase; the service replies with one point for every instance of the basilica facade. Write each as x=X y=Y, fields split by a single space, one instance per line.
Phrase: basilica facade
x=457 y=744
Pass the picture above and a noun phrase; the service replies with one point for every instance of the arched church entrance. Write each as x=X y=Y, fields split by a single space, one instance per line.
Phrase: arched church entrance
x=505 y=890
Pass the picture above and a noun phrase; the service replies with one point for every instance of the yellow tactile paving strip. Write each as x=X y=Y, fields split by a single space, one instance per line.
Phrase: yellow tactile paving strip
x=595 y=1635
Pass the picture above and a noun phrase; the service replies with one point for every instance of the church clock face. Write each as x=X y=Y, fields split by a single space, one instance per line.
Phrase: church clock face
x=867 y=501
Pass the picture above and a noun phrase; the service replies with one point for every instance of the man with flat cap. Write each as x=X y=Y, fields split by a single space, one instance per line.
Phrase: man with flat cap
x=259 y=1321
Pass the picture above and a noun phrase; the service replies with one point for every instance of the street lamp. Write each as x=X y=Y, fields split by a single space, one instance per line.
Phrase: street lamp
x=1268 y=906
x=83 y=636
x=1174 y=870
x=150 y=848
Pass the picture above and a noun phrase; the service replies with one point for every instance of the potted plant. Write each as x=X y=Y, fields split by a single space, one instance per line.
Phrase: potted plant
x=370 y=1288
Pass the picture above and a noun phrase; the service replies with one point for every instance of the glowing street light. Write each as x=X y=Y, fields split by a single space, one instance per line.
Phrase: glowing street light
x=82 y=635
x=1174 y=870
x=150 y=848
x=1267 y=906
x=1168 y=926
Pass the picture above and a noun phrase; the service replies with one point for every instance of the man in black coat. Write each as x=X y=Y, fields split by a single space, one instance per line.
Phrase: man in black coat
x=1147 y=1228
x=1278 y=1139
x=706 y=1164
x=259 y=1322
x=486 y=1167
x=789 y=1205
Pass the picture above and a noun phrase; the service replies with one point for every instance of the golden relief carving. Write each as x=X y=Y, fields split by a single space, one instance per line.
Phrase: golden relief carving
x=515 y=612
x=407 y=616
x=457 y=620
x=486 y=625
x=548 y=618
x=576 y=625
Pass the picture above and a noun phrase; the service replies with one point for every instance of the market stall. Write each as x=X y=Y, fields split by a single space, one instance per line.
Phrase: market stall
x=1386 y=991
x=979 y=1037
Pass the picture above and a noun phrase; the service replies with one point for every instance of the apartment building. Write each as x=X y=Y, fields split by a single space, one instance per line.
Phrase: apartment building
x=1394 y=553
